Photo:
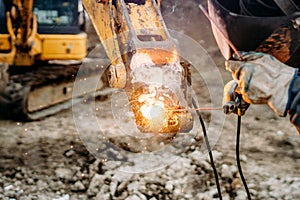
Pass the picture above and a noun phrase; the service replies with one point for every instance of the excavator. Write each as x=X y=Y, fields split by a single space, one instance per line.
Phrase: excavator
x=32 y=33
x=144 y=59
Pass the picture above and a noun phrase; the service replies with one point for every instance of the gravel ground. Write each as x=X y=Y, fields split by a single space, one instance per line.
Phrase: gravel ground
x=67 y=156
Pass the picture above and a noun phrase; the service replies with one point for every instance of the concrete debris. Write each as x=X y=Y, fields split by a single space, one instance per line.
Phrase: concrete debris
x=78 y=186
x=64 y=173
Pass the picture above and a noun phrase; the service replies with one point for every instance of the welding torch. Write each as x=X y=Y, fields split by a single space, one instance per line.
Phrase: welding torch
x=232 y=99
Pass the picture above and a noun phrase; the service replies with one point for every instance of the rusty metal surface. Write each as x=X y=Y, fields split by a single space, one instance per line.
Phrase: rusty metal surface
x=102 y=16
x=157 y=95
x=127 y=28
x=145 y=20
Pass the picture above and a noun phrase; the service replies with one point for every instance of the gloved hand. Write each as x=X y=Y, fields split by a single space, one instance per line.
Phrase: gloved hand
x=232 y=101
x=262 y=79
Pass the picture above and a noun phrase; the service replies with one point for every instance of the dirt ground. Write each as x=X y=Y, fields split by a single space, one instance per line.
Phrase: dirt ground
x=72 y=155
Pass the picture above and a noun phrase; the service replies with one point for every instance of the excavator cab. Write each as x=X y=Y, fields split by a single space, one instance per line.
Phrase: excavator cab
x=58 y=16
x=2 y=17
x=55 y=16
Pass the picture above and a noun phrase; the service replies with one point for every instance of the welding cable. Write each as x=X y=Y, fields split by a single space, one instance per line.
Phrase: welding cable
x=245 y=11
x=238 y=161
x=209 y=150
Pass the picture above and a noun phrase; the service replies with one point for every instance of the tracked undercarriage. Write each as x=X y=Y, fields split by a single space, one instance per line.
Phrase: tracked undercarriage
x=45 y=89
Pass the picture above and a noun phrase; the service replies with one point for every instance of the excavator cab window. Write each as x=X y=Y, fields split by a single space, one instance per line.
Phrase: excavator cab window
x=57 y=16
x=2 y=18
x=54 y=16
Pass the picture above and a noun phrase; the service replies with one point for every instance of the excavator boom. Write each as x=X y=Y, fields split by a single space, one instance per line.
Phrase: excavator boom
x=140 y=48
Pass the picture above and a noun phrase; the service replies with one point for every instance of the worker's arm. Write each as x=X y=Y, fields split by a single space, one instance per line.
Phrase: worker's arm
x=294 y=110
x=262 y=79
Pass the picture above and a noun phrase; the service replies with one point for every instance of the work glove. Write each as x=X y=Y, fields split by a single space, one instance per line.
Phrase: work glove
x=232 y=99
x=262 y=79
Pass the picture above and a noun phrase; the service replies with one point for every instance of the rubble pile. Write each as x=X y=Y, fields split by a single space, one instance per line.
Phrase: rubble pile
x=84 y=177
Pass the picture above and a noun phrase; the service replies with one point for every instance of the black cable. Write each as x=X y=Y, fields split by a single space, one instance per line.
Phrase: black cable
x=209 y=150
x=238 y=133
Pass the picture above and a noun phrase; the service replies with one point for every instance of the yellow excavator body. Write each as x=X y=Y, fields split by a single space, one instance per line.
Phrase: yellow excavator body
x=23 y=45
x=32 y=33
x=46 y=47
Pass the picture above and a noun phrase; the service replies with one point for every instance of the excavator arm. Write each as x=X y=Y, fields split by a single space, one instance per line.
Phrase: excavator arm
x=144 y=62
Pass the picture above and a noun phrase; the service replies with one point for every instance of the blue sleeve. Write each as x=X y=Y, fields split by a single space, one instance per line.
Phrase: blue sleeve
x=294 y=110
